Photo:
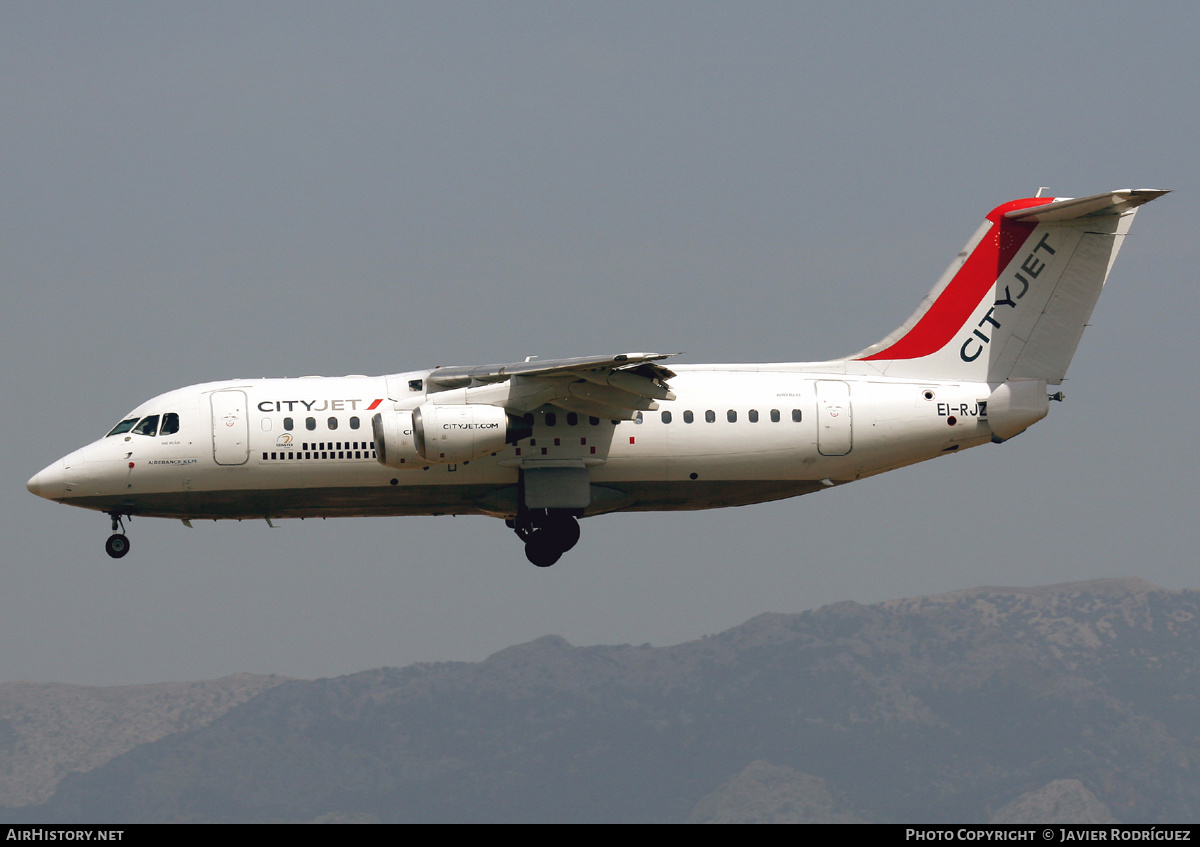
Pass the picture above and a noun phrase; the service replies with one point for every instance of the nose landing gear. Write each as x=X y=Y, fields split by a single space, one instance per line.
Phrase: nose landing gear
x=117 y=544
x=547 y=535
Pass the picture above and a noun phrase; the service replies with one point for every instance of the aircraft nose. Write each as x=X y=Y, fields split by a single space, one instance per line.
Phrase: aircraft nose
x=49 y=482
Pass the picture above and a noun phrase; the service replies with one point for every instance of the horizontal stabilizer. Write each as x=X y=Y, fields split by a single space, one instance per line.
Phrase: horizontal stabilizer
x=1113 y=203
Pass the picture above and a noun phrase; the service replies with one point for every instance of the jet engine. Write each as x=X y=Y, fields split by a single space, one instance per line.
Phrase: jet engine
x=433 y=434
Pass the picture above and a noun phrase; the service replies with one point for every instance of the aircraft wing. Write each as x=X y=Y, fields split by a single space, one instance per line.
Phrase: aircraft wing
x=616 y=387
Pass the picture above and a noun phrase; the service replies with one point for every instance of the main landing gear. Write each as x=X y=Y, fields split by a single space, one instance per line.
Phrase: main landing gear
x=117 y=544
x=547 y=534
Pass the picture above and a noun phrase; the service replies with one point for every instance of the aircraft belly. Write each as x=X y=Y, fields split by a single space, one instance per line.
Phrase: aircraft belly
x=463 y=499
x=689 y=495
x=314 y=502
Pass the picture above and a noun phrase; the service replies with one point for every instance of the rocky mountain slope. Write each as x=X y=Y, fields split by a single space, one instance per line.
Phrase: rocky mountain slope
x=48 y=730
x=1050 y=703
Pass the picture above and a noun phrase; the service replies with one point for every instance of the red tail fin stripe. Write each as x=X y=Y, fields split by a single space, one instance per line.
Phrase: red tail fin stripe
x=971 y=284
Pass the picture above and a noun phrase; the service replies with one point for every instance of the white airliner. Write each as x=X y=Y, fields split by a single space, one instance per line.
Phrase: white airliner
x=541 y=443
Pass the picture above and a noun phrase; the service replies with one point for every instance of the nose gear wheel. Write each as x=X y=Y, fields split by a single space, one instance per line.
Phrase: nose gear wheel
x=117 y=544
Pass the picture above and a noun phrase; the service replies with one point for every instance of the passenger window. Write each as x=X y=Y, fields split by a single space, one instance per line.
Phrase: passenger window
x=148 y=426
x=572 y=419
x=774 y=416
x=688 y=417
x=333 y=423
x=796 y=415
x=666 y=417
x=170 y=424
x=593 y=420
x=354 y=423
x=753 y=415
x=551 y=419
x=731 y=416
x=710 y=416
x=123 y=426
x=288 y=424
x=310 y=423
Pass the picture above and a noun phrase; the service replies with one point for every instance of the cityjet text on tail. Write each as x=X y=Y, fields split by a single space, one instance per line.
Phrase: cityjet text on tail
x=543 y=443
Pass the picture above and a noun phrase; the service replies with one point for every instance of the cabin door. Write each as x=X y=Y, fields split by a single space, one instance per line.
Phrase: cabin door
x=834 y=420
x=231 y=427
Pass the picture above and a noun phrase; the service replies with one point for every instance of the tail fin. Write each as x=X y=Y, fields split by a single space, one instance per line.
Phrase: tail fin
x=1014 y=302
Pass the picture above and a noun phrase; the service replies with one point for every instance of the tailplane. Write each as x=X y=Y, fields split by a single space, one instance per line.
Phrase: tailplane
x=1014 y=302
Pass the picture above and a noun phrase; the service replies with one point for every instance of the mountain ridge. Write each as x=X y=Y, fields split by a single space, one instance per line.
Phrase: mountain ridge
x=952 y=707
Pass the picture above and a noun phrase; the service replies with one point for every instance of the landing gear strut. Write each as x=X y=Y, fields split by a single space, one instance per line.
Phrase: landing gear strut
x=117 y=544
x=547 y=535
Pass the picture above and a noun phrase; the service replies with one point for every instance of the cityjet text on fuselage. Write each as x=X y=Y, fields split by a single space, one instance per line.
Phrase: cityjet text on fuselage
x=318 y=405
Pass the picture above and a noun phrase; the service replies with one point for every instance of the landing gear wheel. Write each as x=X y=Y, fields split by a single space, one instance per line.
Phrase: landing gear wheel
x=566 y=533
x=117 y=546
x=547 y=535
x=542 y=549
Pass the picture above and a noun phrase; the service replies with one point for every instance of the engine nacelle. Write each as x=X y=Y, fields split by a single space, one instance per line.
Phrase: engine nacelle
x=433 y=434
x=395 y=441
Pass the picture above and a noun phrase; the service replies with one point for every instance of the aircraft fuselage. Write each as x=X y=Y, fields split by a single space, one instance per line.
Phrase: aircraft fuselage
x=291 y=448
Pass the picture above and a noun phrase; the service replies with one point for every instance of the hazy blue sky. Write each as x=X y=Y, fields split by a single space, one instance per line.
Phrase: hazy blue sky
x=196 y=191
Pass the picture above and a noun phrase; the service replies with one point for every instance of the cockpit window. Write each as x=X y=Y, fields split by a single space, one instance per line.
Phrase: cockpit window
x=123 y=426
x=170 y=424
x=148 y=426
